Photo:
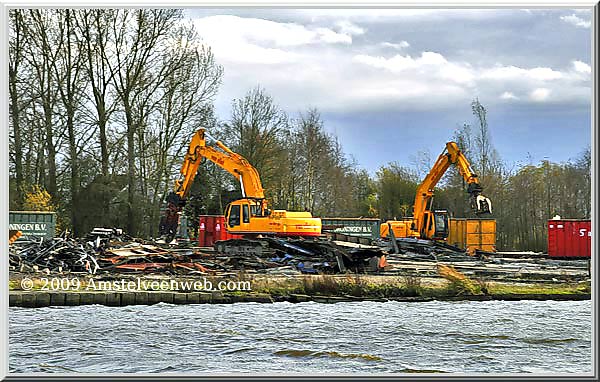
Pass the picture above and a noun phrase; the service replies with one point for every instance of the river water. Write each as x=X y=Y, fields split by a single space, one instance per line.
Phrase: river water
x=308 y=338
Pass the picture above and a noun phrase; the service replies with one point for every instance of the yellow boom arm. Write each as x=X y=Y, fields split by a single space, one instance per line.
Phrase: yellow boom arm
x=231 y=162
x=451 y=155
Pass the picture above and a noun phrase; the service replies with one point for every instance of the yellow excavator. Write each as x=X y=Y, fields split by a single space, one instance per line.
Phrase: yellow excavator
x=433 y=225
x=249 y=216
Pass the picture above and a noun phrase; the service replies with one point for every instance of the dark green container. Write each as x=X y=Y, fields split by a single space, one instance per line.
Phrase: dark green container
x=33 y=224
x=360 y=227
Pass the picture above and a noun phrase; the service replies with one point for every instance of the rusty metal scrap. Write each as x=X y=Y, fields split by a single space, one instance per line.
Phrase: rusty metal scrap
x=59 y=254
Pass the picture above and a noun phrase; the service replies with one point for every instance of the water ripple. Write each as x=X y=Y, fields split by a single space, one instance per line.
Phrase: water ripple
x=307 y=338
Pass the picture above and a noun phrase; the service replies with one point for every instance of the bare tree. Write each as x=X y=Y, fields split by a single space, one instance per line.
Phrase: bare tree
x=485 y=151
x=68 y=68
x=188 y=90
x=17 y=43
x=254 y=131
x=93 y=25
x=45 y=45
x=314 y=147
x=139 y=37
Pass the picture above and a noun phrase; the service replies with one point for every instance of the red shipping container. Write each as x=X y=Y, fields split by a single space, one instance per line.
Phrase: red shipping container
x=211 y=228
x=569 y=238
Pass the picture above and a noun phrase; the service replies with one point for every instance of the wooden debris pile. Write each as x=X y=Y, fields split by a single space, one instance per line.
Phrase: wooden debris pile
x=112 y=251
x=54 y=256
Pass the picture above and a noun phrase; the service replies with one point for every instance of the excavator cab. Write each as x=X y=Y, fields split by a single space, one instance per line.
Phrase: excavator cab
x=239 y=213
x=436 y=225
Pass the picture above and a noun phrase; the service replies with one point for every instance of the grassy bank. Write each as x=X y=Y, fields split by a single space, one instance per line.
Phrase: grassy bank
x=408 y=286
x=452 y=284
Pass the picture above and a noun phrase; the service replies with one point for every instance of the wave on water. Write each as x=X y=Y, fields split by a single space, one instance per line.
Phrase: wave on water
x=539 y=341
x=52 y=368
x=331 y=354
x=411 y=371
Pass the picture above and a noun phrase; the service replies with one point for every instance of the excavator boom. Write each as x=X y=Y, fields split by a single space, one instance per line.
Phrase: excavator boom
x=225 y=158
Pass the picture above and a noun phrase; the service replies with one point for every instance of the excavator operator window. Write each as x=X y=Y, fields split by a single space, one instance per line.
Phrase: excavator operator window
x=441 y=225
x=246 y=216
x=234 y=216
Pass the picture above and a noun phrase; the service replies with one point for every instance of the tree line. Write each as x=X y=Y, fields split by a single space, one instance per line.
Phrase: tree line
x=103 y=104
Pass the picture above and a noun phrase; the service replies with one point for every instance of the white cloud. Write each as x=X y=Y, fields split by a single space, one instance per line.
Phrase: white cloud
x=398 y=46
x=399 y=63
x=379 y=14
x=266 y=32
x=239 y=39
x=330 y=37
x=348 y=28
x=429 y=63
x=508 y=96
x=582 y=67
x=510 y=72
x=540 y=94
x=576 y=20
x=282 y=34
x=309 y=65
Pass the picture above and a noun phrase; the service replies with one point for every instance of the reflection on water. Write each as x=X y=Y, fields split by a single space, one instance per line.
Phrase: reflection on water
x=308 y=338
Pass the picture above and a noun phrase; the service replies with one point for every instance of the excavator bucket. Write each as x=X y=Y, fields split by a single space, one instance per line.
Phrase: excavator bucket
x=481 y=205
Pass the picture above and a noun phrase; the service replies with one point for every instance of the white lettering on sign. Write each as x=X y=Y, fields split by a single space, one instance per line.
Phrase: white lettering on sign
x=551 y=225
x=27 y=226
x=582 y=232
x=353 y=229
x=559 y=226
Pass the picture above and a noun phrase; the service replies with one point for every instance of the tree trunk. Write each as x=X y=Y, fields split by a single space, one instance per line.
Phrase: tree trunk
x=131 y=223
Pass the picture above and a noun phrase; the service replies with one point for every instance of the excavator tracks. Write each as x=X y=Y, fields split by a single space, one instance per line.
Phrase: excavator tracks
x=321 y=253
x=244 y=247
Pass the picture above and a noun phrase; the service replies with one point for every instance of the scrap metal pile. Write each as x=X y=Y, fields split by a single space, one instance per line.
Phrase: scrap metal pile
x=51 y=256
x=109 y=250
x=103 y=250
x=293 y=257
x=419 y=249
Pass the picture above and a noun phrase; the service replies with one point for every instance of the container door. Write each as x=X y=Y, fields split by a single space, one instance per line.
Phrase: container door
x=202 y=232
x=210 y=231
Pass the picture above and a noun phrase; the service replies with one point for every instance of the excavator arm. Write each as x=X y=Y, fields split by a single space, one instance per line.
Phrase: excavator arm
x=451 y=155
x=223 y=157
x=231 y=162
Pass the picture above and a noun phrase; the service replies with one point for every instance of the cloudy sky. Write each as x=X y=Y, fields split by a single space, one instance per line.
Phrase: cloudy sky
x=392 y=82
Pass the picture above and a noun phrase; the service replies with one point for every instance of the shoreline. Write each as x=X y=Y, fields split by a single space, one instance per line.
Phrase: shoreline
x=31 y=291
x=41 y=298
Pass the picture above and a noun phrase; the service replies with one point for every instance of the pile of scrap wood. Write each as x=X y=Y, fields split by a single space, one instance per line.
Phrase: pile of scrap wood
x=53 y=255
x=292 y=257
x=499 y=269
x=136 y=257
x=110 y=250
